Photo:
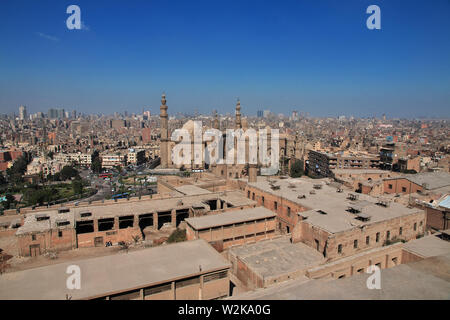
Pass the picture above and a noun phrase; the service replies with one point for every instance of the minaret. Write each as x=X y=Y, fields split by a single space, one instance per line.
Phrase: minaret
x=216 y=121
x=238 y=115
x=164 y=150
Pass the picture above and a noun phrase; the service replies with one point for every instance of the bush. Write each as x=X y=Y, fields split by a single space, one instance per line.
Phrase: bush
x=177 y=236
x=297 y=169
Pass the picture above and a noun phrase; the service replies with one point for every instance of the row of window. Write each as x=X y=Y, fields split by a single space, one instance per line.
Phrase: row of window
x=377 y=237
x=239 y=224
x=135 y=294
x=250 y=235
x=275 y=204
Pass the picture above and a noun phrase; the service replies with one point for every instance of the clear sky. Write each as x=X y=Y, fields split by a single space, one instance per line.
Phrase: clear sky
x=315 y=56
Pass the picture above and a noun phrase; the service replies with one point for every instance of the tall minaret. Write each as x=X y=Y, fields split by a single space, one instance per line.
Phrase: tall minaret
x=238 y=115
x=216 y=124
x=164 y=150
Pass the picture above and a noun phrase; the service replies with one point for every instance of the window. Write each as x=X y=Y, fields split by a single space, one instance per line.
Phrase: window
x=262 y=200
x=367 y=240
x=403 y=189
x=415 y=226
x=400 y=231
x=377 y=237
x=60 y=233
x=135 y=294
x=355 y=244
x=289 y=211
x=340 y=248
x=394 y=261
x=421 y=223
x=388 y=235
x=276 y=205
x=248 y=194
x=187 y=282
x=215 y=276
x=33 y=237
x=157 y=289
x=253 y=196
x=390 y=186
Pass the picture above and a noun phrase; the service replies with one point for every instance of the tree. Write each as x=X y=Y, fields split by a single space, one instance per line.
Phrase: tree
x=17 y=170
x=77 y=186
x=68 y=172
x=2 y=180
x=297 y=169
x=96 y=165
x=9 y=201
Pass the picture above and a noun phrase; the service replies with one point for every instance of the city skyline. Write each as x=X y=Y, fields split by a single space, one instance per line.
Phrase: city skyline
x=315 y=58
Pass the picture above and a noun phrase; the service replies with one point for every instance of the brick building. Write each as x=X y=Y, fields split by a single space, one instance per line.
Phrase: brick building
x=190 y=270
x=334 y=222
x=230 y=228
x=94 y=225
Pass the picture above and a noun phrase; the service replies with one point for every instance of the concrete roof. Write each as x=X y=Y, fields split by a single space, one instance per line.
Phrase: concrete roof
x=359 y=171
x=236 y=199
x=191 y=190
x=114 y=273
x=335 y=204
x=126 y=208
x=278 y=256
x=428 y=246
x=229 y=217
x=425 y=279
x=433 y=180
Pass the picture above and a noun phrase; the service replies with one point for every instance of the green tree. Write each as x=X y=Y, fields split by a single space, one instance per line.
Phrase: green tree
x=297 y=169
x=10 y=200
x=68 y=172
x=96 y=165
x=77 y=186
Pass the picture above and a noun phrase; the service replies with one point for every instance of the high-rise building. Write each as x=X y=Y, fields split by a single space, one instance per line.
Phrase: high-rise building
x=259 y=114
x=22 y=113
x=146 y=135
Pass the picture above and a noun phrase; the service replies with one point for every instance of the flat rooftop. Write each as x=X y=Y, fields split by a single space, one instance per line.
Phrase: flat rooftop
x=278 y=256
x=359 y=171
x=127 y=208
x=114 y=273
x=327 y=208
x=428 y=180
x=229 y=217
x=191 y=190
x=428 y=246
x=427 y=279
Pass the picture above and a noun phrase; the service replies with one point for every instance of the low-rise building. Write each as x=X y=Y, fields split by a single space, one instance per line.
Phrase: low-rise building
x=229 y=228
x=190 y=270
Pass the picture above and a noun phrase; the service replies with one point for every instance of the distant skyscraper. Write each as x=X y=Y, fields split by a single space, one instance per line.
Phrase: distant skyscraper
x=22 y=113
x=259 y=114
x=56 y=113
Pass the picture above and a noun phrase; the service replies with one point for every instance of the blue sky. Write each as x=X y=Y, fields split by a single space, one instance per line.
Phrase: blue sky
x=313 y=56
